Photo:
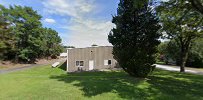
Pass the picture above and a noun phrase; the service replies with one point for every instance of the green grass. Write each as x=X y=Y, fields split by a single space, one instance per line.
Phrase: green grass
x=160 y=62
x=45 y=83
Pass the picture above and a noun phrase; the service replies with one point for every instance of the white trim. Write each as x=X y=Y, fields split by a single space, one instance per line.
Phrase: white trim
x=67 y=61
x=106 y=62
x=92 y=64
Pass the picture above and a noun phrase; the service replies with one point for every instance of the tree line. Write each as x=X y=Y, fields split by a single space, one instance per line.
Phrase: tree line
x=169 y=53
x=182 y=23
x=23 y=38
x=140 y=24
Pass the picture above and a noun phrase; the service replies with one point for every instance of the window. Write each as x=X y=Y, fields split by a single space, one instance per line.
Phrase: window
x=107 y=62
x=79 y=63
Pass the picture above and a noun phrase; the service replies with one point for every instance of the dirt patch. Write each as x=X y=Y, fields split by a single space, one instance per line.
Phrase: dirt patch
x=11 y=65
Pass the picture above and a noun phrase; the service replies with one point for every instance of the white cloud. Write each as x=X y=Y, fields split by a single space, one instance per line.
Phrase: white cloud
x=49 y=20
x=87 y=32
x=83 y=31
x=74 y=8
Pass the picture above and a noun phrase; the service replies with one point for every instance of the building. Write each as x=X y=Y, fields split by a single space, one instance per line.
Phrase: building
x=63 y=55
x=90 y=58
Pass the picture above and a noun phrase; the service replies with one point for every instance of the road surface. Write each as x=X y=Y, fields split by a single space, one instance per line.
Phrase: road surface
x=176 y=68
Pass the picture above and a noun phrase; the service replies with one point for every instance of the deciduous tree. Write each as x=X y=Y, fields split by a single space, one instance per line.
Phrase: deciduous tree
x=32 y=41
x=182 y=23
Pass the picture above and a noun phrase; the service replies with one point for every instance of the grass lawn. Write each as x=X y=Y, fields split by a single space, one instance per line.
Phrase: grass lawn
x=45 y=83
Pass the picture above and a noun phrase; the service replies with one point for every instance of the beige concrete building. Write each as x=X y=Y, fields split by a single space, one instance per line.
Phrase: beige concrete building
x=90 y=58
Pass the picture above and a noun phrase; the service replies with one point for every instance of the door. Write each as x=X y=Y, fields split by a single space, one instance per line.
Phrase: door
x=91 y=65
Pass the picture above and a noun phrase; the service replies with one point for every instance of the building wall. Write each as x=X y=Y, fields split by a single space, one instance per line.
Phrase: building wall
x=97 y=54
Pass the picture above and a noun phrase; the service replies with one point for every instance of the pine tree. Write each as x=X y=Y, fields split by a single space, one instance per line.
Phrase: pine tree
x=135 y=37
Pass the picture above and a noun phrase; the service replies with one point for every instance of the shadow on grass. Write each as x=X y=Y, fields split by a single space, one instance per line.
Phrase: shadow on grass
x=63 y=66
x=162 y=85
x=177 y=86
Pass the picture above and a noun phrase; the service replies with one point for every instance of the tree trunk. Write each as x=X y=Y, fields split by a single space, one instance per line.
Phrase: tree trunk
x=183 y=57
x=182 y=62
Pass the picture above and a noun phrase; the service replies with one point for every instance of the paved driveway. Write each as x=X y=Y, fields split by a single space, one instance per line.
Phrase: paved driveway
x=176 y=68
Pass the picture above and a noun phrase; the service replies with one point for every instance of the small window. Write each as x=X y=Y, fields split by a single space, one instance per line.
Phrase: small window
x=79 y=63
x=107 y=62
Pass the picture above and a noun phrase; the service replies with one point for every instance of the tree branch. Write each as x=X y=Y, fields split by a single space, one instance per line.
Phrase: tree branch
x=197 y=5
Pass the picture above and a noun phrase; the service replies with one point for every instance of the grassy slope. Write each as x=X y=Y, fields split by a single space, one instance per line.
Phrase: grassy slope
x=2 y=67
x=45 y=83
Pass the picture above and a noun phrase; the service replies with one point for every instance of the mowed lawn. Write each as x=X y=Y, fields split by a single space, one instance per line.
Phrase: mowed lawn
x=45 y=83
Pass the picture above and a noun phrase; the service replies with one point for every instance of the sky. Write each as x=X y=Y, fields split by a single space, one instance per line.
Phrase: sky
x=80 y=23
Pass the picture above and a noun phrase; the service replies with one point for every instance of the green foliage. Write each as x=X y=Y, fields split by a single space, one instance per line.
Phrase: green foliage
x=197 y=5
x=196 y=54
x=31 y=40
x=93 y=45
x=135 y=37
x=69 y=46
x=170 y=51
x=7 y=38
x=26 y=55
x=182 y=23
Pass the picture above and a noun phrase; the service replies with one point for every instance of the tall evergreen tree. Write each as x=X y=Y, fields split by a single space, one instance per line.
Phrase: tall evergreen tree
x=135 y=37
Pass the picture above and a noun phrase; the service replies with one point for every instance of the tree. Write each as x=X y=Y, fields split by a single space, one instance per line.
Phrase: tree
x=182 y=23
x=32 y=41
x=170 y=51
x=53 y=43
x=94 y=45
x=3 y=36
x=166 y=54
x=196 y=54
x=135 y=37
x=7 y=42
x=197 y=4
x=25 y=23
x=69 y=46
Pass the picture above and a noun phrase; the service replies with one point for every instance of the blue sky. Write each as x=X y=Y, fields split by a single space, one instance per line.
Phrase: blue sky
x=79 y=23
